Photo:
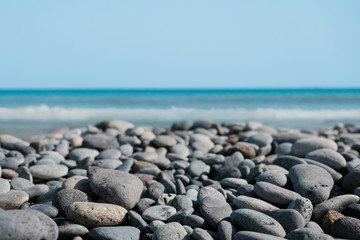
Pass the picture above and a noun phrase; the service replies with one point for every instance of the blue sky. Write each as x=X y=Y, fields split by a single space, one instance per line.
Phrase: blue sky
x=179 y=44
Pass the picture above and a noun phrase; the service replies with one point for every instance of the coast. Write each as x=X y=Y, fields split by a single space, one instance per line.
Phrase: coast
x=189 y=180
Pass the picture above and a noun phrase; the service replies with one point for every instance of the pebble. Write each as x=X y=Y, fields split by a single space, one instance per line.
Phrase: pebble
x=305 y=145
x=194 y=221
x=283 y=148
x=66 y=197
x=303 y=206
x=260 y=139
x=328 y=157
x=251 y=220
x=249 y=235
x=231 y=182
x=49 y=210
x=20 y=183
x=159 y=212
x=196 y=168
x=109 y=154
x=312 y=182
x=4 y=186
x=274 y=177
x=36 y=190
x=100 y=141
x=69 y=231
x=164 y=141
x=288 y=162
x=118 y=233
x=214 y=210
x=90 y=214
x=105 y=183
x=329 y=219
x=170 y=231
x=351 y=180
x=13 y=199
x=290 y=219
x=48 y=172
x=346 y=227
x=253 y=203
x=27 y=224
x=307 y=233
x=81 y=153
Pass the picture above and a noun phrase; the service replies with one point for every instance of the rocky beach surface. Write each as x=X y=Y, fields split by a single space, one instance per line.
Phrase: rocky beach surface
x=195 y=180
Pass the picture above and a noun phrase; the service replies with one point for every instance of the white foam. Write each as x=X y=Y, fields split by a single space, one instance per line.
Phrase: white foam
x=174 y=114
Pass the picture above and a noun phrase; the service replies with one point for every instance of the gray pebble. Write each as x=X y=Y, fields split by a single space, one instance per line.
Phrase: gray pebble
x=290 y=219
x=328 y=157
x=305 y=145
x=159 y=212
x=119 y=233
x=49 y=210
x=303 y=206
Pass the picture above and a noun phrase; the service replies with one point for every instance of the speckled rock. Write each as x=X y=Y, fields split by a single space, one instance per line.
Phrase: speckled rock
x=158 y=212
x=303 y=206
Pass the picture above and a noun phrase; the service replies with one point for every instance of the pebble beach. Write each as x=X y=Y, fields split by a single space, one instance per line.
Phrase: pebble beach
x=197 y=180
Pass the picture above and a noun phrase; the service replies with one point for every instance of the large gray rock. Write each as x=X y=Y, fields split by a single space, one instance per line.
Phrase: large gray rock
x=116 y=187
x=312 y=182
x=251 y=220
x=27 y=224
x=305 y=145
x=328 y=157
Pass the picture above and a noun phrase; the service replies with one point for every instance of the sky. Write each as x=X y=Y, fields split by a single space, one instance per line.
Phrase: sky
x=179 y=44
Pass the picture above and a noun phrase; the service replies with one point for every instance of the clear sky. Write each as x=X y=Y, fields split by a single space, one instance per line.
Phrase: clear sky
x=179 y=44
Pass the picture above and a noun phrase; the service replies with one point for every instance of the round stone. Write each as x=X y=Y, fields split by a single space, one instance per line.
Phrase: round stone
x=164 y=141
x=303 y=206
x=100 y=141
x=109 y=154
x=214 y=210
x=305 y=145
x=328 y=157
x=49 y=210
x=13 y=199
x=274 y=177
x=158 y=212
x=197 y=167
x=48 y=172
x=20 y=183
x=290 y=219
x=260 y=139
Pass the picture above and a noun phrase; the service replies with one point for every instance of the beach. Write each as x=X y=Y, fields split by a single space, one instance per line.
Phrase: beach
x=188 y=180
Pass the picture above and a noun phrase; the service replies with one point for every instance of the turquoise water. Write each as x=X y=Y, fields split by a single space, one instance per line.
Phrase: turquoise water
x=25 y=112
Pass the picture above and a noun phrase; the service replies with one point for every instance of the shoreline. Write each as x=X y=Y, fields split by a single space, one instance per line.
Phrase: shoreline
x=200 y=179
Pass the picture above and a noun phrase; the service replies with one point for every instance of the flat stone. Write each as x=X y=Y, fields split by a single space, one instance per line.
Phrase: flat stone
x=109 y=154
x=305 y=145
x=105 y=183
x=214 y=210
x=328 y=157
x=48 y=172
x=336 y=203
x=108 y=163
x=20 y=183
x=275 y=195
x=231 y=182
x=170 y=231
x=283 y=148
x=197 y=167
x=13 y=199
x=260 y=139
x=36 y=190
x=158 y=212
x=194 y=221
x=290 y=219
x=164 y=141
x=346 y=227
x=49 y=210
x=112 y=233
x=251 y=220
x=274 y=177
x=145 y=156
x=288 y=162
x=180 y=149
x=303 y=206
x=90 y=214
x=27 y=224
x=81 y=153
x=259 y=205
x=70 y=231
x=312 y=182
x=100 y=141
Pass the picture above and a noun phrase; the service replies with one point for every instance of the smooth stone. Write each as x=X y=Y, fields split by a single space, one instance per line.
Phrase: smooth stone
x=164 y=141
x=314 y=226
x=77 y=172
x=170 y=231
x=305 y=145
x=158 y=212
x=234 y=160
x=246 y=190
x=312 y=182
x=132 y=140
x=275 y=195
x=307 y=233
x=329 y=219
x=100 y=141
x=36 y=190
x=194 y=221
x=20 y=183
x=346 y=227
x=222 y=173
x=66 y=197
x=109 y=154
x=90 y=214
x=9 y=162
x=353 y=164
x=55 y=156
x=69 y=231
x=201 y=234
x=303 y=206
x=334 y=174
x=119 y=125
x=154 y=191
x=105 y=183
x=351 y=180
x=249 y=235
x=209 y=191
x=217 y=159
x=4 y=186
x=24 y=172
x=248 y=150
x=48 y=172
x=49 y=210
x=81 y=153
x=260 y=139
x=114 y=233
x=214 y=210
x=80 y=183
x=180 y=149
x=283 y=148
x=231 y=182
x=288 y=162
x=328 y=157
x=182 y=201
x=258 y=169
x=274 y=177
x=197 y=168
x=336 y=203
x=352 y=210
x=251 y=220
x=9 y=173
x=137 y=221
x=145 y=156
x=48 y=197
x=126 y=150
x=27 y=224
x=13 y=199
x=155 y=225
x=108 y=163
x=226 y=230
x=241 y=202
x=290 y=219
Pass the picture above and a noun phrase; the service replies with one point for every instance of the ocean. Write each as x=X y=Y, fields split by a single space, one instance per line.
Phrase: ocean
x=28 y=112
